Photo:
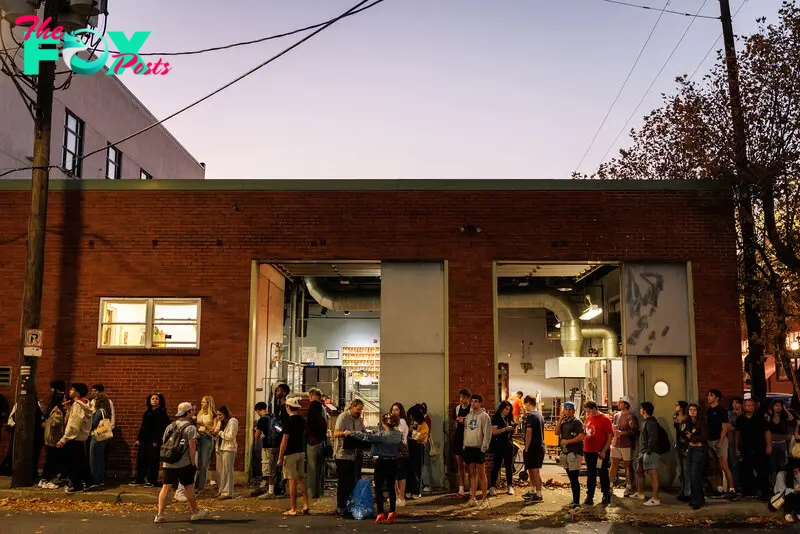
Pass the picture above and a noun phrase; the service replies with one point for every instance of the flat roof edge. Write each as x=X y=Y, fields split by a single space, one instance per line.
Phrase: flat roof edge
x=371 y=185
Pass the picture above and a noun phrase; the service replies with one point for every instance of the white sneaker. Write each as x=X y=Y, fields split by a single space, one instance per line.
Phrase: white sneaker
x=42 y=483
x=50 y=485
x=472 y=503
x=492 y=492
x=484 y=505
x=511 y=491
x=181 y=497
x=640 y=496
x=426 y=489
x=201 y=514
x=400 y=502
x=160 y=519
x=653 y=502
x=417 y=496
x=789 y=518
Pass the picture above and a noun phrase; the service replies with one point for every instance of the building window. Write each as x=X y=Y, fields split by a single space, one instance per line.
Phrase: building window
x=73 y=145
x=781 y=371
x=5 y=376
x=113 y=164
x=149 y=323
x=144 y=175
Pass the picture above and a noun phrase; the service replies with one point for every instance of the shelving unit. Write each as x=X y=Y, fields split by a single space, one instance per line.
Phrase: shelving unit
x=366 y=358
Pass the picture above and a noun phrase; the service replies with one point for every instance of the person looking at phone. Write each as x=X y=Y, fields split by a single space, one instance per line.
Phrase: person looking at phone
x=503 y=428
x=534 y=448
x=569 y=430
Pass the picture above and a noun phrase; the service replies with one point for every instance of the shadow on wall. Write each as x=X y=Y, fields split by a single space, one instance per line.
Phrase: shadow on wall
x=68 y=282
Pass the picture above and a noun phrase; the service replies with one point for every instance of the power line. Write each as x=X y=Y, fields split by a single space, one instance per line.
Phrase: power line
x=227 y=85
x=621 y=89
x=714 y=46
x=665 y=10
x=650 y=88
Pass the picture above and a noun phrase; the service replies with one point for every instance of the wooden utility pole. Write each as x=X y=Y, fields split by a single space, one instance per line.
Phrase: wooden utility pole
x=744 y=204
x=24 y=463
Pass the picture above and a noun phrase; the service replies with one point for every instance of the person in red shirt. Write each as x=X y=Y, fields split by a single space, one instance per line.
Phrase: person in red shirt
x=599 y=435
x=518 y=407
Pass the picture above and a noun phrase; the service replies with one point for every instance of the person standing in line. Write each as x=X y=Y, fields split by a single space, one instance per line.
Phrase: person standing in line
x=205 y=441
x=780 y=423
x=402 y=456
x=225 y=433
x=154 y=421
x=54 y=466
x=183 y=470
x=459 y=413
x=682 y=451
x=693 y=433
x=76 y=434
x=534 y=448
x=569 y=429
x=737 y=409
x=93 y=392
x=345 y=454
x=316 y=435
x=385 y=448
x=626 y=426
x=292 y=457
x=477 y=437
x=718 y=428
x=427 y=467
x=596 y=446
x=518 y=407
x=280 y=418
x=753 y=446
x=502 y=450
x=261 y=433
x=416 y=451
x=97 y=449
x=649 y=458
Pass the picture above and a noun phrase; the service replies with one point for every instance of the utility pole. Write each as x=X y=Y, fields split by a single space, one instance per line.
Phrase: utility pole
x=744 y=204
x=24 y=463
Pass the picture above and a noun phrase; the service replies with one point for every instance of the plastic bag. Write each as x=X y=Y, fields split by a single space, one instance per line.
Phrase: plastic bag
x=360 y=503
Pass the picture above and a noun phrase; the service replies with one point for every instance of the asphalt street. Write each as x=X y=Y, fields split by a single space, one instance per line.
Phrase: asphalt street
x=142 y=523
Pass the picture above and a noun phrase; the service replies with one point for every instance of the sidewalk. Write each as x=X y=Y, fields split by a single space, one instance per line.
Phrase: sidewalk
x=550 y=513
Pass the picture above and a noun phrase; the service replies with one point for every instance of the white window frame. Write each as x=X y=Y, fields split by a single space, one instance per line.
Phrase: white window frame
x=149 y=321
x=116 y=161
x=144 y=175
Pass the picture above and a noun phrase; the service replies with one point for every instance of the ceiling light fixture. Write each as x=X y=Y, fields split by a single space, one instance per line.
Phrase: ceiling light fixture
x=795 y=346
x=591 y=311
x=558 y=325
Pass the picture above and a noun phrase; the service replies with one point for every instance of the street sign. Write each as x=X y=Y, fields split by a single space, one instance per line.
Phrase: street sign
x=34 y=352
x=34 y=338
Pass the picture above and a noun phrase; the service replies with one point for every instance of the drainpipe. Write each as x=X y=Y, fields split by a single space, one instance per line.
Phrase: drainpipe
x=571 y=337
x=608 y=335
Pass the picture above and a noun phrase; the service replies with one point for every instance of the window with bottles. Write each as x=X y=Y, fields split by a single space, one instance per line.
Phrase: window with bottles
x=149 y=323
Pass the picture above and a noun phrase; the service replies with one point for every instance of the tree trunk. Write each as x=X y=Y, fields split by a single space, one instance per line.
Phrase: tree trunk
x=754 y=362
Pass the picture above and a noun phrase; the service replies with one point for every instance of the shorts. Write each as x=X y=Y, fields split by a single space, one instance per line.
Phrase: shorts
x=534 y=458
x=571 y=461
x=622 y=453
x=183 y=475
x=402 y=469
x=473 y=455
x=714 y=452
x=294 y=466
x=649 y=460
x=269 y=462
x=458 y=446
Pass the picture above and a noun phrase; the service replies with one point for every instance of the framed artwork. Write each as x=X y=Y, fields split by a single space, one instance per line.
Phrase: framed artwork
x=331 y=354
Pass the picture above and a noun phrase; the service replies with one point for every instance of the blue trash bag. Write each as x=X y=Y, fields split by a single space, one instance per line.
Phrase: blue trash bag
x=360 y=503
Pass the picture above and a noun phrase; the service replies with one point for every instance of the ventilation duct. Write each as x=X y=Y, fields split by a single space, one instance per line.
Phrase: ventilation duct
x=343 y=300
x=571 y=338
x=609 y=336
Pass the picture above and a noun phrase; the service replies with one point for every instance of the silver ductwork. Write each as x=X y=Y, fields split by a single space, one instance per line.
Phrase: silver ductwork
x=609 y=336
x=571 y=337
x=343 y=300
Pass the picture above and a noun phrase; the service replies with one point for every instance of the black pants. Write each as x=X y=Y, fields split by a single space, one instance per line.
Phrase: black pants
x=77 y=466
x=147 y=463
x=385 y=469
x=416 y=455
x=502 y=458
x=53 y=463
x=791 y=503
x=575 y=484
x=694 y=468
x=754 y=470
x=592 y=471
x=346 y=472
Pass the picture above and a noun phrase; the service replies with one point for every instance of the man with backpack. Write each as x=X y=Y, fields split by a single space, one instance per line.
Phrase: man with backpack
x=178 y=454
x=54 y=426
x=655 y=442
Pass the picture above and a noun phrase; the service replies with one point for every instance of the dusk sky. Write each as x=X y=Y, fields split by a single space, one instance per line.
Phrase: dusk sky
x=415 y=88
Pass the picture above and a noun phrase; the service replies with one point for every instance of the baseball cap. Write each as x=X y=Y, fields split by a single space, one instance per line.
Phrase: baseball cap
x=569 y=405
x=294 y=402
x=626 y=399
x=183 y=409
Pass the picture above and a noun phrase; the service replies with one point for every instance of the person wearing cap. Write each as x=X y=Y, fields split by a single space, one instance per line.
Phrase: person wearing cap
x=292 y=456
x=626 y=425
x=569 y=430
x=183 y=470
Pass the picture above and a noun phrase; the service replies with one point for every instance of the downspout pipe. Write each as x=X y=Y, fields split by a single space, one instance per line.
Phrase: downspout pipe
x=343 y=300
x=571 y=337
x=608 y=335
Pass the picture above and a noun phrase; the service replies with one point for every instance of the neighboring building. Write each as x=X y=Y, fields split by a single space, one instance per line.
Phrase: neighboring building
x=92 y=112
x=195 y=288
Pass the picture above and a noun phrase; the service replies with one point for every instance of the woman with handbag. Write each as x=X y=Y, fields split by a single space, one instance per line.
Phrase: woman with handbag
x=502 y=449
x=416 y=451
x=402 y=456
x=206 y=419
x=101 y=433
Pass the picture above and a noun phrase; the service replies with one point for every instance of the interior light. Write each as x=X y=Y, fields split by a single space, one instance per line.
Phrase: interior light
x=592 y=311
x=558 y=325
x=565 y=289
x=795 y=344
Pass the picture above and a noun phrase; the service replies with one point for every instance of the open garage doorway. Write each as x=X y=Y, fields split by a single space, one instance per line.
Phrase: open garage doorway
x=558 y=335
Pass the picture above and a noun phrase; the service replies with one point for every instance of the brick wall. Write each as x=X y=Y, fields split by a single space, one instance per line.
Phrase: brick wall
x=200 y=244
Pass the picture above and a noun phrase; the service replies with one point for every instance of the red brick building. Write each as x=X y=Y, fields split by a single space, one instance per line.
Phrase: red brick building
x=200 y=239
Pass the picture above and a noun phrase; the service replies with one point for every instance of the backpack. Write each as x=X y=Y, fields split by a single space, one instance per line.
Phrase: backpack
x=175 y=445
x=54 y=428
x=663 y=445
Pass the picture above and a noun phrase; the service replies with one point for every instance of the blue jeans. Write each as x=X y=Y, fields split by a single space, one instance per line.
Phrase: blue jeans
x=97 y=460
x=427 y=478
x=693 y=466
x=204 y=446
x=685 y=475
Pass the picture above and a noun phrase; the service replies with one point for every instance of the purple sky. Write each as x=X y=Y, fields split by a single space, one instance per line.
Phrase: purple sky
x=414 y=88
